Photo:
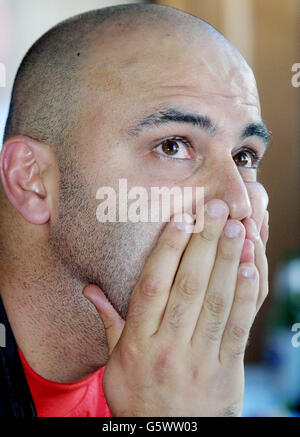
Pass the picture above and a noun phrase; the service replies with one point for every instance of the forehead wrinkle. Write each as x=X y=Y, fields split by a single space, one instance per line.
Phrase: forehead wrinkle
x=237 y=100
x=192 y=92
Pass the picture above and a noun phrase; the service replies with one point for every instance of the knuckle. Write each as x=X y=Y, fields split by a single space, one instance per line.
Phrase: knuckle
x=165 y=358
x=149 y=286
x=175 y=316
x=227 y=252
x=213 y=330
x=135 y=314
x=164 y=368
x=208 y=234
x=173 y=244
x=238 y=353
x=187 y=286
x=215 y=304
x=239 y=332
x=129 y=352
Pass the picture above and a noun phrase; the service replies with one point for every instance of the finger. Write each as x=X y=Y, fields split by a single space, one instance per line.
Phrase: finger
x=193 y=275
x=219 y=296
x=247 y=255
x=152 y=290
x=241 y=316
x=262 y=266
x=260 y=259
x=112 y=322
x=264 y=232
x=259 y=201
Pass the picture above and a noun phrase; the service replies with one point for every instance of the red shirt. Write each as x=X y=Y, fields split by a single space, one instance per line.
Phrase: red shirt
x=84 y=398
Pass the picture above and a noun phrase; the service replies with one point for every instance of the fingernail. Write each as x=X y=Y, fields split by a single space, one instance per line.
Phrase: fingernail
x=184 y=222
x=247 y=271
x=215 y=209
x=232 y=230
x=90 y=292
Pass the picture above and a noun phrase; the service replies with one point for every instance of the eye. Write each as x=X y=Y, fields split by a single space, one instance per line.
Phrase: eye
x=247 y=158
x=176 y=148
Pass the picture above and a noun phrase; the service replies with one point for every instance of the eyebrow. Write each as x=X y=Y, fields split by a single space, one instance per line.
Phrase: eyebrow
x=257 y=129
x=168 y=115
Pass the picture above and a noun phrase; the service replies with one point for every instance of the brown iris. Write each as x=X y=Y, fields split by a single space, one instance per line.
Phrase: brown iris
x=241 y=159
x=170 y=147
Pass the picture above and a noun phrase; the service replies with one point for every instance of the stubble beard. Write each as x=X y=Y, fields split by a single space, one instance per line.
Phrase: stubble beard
x=110 y=255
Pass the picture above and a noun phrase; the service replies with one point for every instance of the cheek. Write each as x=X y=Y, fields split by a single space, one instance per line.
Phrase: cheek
x=259 y=201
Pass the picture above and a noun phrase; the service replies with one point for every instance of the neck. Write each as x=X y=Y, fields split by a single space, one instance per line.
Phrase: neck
x=58 y=331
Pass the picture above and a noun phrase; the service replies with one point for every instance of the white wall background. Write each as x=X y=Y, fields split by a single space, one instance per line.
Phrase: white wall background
x=22 y=22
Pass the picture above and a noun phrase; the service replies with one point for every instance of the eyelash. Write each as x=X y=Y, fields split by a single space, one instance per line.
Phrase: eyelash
x=255 y=157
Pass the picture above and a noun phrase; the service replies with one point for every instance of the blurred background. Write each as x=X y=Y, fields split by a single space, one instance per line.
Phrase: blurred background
x=267 y=33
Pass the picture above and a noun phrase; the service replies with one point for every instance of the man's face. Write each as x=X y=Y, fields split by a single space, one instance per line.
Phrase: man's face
x=140 y=123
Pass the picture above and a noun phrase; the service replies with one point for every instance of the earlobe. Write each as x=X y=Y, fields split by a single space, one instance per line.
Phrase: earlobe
x=22 y=180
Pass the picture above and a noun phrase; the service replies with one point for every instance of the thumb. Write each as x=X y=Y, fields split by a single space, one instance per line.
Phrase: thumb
x=113 y=323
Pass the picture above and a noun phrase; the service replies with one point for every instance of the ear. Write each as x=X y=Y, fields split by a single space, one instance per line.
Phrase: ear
x=24 y=163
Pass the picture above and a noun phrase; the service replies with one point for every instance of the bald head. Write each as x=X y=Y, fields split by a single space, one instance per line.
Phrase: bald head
x=51 y=82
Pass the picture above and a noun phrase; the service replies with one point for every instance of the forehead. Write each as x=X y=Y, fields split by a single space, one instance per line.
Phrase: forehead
x=162 y=66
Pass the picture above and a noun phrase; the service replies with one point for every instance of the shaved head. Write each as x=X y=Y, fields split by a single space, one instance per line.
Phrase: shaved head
x=51 y=79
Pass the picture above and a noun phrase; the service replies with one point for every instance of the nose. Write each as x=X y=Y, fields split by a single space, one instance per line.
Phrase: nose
x=229 y=186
